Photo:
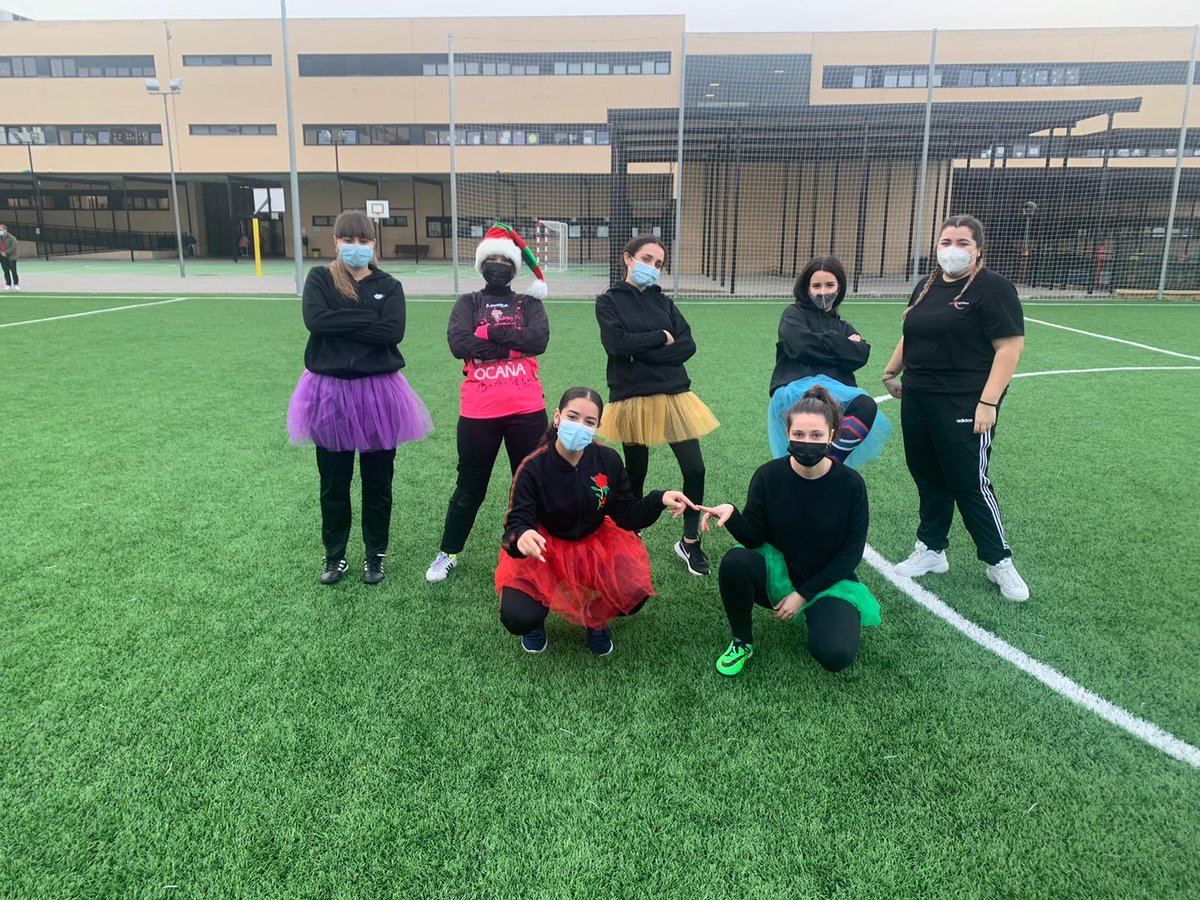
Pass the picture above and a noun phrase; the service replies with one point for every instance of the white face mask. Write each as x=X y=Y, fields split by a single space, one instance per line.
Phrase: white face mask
x=954 y=260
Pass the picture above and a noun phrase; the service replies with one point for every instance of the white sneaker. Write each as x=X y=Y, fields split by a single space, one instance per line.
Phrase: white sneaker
x=922 y=562
x=8 y=287
x=439 y=569
x=1012 y=585
x=16 y=287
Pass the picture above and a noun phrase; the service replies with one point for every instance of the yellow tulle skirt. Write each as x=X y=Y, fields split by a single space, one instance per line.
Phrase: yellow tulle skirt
x=657 y=419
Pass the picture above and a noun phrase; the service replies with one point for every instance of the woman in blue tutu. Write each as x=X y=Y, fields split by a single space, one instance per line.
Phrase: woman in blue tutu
x=352 y=397
x=816 y=346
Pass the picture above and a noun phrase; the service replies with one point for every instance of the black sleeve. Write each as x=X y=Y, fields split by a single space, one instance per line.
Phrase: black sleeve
x=846 y=560
x=532 y=338
x=616 y=340
x=851 y=354
x=460 y=333
x=522 y=507
x=626 y=510
x=388 y=330
x=681 y=350
x=999 y=311
x=800 y=343
x=321 y=317
x=749 y=526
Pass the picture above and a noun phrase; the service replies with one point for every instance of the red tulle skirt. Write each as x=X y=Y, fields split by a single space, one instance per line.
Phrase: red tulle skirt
x=589 y=582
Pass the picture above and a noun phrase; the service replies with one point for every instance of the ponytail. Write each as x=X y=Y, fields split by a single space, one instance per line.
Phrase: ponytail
x=819 y=401
x=575 y=393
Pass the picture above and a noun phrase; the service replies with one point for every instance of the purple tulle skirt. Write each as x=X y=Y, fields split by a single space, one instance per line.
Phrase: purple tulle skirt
x=378 y=412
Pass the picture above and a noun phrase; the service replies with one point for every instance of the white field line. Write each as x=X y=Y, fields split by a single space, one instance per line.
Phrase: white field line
x=1115 y=340
x=90 y=312
x=1052 y=678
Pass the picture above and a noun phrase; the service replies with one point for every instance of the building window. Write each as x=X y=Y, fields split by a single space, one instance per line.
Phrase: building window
x=438 y=227
x=323 y=221
x=262 y=59
x=394 y=222
x=232 y=129
x=327 y=65
x=76 y=66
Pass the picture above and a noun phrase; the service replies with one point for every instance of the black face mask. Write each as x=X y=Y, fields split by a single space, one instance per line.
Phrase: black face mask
x=807 y=453
x=497 y=274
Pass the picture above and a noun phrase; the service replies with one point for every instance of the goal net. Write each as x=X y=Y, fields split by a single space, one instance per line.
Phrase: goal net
x=551 y=245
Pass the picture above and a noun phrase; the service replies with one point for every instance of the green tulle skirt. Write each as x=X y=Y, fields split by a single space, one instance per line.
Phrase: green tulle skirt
x=857 y=594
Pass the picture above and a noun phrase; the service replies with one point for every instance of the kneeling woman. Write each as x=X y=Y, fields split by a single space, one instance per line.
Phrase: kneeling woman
x=568 y=537
x=802 y=534
x=817 y=346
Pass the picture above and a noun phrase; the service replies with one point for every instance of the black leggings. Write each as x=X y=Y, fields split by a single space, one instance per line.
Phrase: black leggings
x=691 y=466
x=478 y=446
x=10 y=270
x=337 y=470
x=521 y=614
x=834 y=625
x=859 y=417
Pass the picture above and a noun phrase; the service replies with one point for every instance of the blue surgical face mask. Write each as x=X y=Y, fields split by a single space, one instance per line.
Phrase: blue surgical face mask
x=643 y=275
x=356 y=255
x=574 y=436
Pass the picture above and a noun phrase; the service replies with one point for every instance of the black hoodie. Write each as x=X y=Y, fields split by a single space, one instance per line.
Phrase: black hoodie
x=570 y=502
x=812 y=342
x=632 y=326
x=350 y=339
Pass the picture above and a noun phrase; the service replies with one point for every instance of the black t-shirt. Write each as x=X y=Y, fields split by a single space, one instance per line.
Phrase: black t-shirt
x=948 y=342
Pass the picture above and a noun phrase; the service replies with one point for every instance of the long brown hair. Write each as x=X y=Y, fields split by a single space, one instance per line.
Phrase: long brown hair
x=351 y=224
x=818 y=400
x=976 y=228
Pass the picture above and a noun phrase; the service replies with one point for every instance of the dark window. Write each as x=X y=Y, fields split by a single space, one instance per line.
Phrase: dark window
x=323 y=221
x=438 y=227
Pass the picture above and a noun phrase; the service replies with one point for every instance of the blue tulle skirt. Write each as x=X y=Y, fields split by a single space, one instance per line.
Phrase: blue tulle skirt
x=783 y=399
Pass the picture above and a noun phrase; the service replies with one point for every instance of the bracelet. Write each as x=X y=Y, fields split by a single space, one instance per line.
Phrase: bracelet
x=888 y=376
x=992 y=405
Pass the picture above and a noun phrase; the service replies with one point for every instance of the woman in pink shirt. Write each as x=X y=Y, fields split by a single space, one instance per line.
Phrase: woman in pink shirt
x=498 y=335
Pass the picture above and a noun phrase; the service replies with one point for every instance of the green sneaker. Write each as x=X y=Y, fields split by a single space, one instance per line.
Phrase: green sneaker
x=734 y=658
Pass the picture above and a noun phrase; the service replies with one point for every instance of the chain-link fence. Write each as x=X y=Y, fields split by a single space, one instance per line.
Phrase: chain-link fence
x=748 y=158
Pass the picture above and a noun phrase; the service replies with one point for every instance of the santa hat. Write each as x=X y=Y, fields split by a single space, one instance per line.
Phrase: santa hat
x=502 y=240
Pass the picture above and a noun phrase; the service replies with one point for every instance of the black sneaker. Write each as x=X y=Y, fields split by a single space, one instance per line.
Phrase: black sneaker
x=373 y=569
x=535 y=641
x=333 y=571
x=693 y=555
x=599 y=641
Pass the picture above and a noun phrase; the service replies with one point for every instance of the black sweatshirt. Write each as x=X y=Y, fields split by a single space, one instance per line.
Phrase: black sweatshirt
x=351 y=339
x=819 y=525
x=813 y=342
x=570 y=502
x=948 y=349
x=524 y=327
x=640 y=362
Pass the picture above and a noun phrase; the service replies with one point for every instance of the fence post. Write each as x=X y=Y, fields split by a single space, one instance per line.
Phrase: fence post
x=676 y=266
x=1183 y=130
x=453 y=169
x=920 y=221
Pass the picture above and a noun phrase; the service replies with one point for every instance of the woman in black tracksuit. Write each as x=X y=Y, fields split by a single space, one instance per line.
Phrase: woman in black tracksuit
x=648 y=340
x=964 y=332
x=498 y=334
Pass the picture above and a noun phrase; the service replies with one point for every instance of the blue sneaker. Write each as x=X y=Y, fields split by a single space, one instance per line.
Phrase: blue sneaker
x=599 y=641
x=535 y=641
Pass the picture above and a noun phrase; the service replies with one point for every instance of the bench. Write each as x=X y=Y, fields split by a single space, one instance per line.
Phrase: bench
x=417 y=250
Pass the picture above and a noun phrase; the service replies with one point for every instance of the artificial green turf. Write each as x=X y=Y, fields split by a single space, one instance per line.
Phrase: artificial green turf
x=188 y=713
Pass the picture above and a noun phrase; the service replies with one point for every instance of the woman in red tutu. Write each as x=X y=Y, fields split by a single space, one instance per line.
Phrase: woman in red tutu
x=568 y=537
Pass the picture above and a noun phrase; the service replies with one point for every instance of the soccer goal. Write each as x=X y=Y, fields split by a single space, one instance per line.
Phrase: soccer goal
x=551 y=246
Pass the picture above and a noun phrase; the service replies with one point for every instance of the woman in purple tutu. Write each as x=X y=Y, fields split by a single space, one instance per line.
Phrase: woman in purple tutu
x=352 y=397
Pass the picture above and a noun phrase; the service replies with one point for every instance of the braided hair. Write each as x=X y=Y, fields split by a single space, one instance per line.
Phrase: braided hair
x=976 y=229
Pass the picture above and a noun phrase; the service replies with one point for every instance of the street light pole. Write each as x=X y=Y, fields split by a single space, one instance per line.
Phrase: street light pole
x=337 y=168
x=176 y=87
x=27 y=138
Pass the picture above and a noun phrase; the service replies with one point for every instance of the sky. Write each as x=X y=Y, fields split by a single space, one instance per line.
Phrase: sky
x=702 y=15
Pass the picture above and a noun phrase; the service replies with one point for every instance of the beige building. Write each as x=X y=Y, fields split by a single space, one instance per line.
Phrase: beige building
x=793 y=143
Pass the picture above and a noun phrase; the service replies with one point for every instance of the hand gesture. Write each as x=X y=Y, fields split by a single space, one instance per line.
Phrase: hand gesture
x=857 y=338
x=670 y=337
x=985 y=418
x=719 y=514
x=786 y=609
x=677 y=502
x=530 y=543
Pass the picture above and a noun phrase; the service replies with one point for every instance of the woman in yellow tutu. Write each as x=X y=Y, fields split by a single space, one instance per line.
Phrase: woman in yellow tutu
x=650 y=399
